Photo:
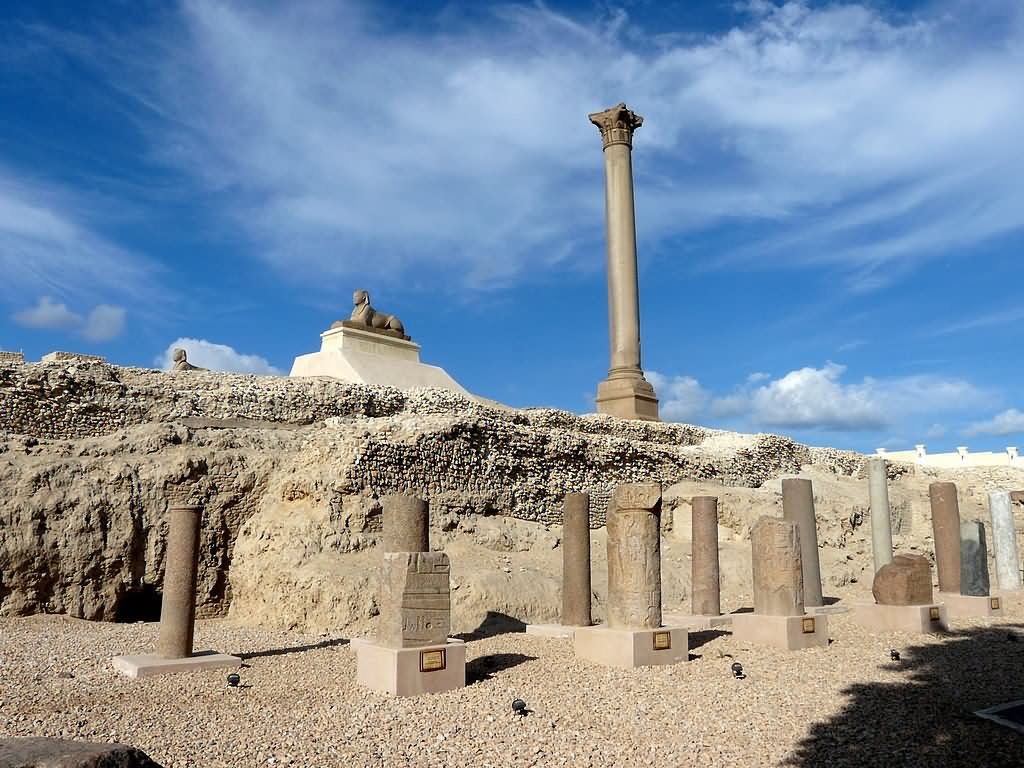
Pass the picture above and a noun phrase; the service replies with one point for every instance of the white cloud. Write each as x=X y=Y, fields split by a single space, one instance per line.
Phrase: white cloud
x=817 y=399
x=48 y=313
x=935 y=431
x=216 y=357
x=1009 y=422
x=103 y=323
x=857 y=132
x=680 y=397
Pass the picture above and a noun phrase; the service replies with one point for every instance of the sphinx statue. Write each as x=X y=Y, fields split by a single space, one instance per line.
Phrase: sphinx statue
x=181 y=362
x=363 y=314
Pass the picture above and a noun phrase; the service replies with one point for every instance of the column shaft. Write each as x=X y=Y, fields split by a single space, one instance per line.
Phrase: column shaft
x=798 y=506
x=181 y=569
x=705 y=598
x=946 y=527
x=406 y=522
x=1004 y=541
x=576 y=561
x=881 y=519
x=623 y=290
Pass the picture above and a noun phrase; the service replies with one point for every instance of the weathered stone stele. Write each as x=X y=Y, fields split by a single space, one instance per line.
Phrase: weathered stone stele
x=634 y=557
x=905 y=580
x=777 y=572
x=946 y=527
x=415 y=599
x=973 y=559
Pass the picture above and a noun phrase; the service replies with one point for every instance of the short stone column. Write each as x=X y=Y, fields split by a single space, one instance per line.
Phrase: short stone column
x=576 y=586
x=705 y=597
x=973 y=559
x=946 y=528
x=776 y=554
x=798 y=506
x=406 y=522
x=1004 y=541
x=634 y=557
x=881 y=517
x=181 y=571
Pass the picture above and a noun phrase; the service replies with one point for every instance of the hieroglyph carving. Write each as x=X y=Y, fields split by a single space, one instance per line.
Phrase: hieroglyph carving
x=415 y=599
x=634 y=557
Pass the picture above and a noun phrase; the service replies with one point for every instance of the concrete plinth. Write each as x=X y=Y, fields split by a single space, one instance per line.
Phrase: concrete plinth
x=971 y=606
x=824 y=610
x=368 y=357
x=901 y=618
x=150 y=665
x=411 y=671
x=631 y=398
x=559 y=631
x=632 y=648
x=789 y=633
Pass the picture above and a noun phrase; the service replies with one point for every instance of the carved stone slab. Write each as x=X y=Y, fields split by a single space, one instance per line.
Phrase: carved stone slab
x=777 y=570
x=634 y=557
x=415 y=599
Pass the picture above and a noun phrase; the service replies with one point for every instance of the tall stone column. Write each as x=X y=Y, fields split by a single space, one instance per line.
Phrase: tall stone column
x=406 y=522
x=634 y=557
x=705 y=598
x=625 y=393
x=881 y=520
x=798 y=506
x=1004 y=541
x=181 y=569
x=576 y=561
x=946 y=527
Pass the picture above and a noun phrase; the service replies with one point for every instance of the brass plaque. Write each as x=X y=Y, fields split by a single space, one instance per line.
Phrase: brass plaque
x=994 y=602
x=933 y=614
x=432 y=661
x=662 y=641
x=807 y=625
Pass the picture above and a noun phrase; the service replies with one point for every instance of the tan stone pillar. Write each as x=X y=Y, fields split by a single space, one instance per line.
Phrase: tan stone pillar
x=181 y=569
x=798 y=506
x=406 y=522
x=625 y=393
x=946 y=527
x=576 y=561
x=705 y=597
x=634 y=557
x=778 y=575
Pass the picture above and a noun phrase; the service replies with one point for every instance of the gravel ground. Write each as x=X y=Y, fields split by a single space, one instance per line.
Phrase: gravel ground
x=845 y=705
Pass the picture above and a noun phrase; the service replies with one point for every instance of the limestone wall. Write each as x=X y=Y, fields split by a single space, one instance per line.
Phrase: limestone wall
x=11 y=358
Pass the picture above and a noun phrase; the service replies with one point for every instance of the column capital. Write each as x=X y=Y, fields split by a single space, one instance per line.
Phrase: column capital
x=616 y=124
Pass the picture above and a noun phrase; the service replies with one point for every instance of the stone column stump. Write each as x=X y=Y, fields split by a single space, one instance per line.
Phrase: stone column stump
x=705 y=592
x=798 y=506
x=881 y=515
x=1004 y=542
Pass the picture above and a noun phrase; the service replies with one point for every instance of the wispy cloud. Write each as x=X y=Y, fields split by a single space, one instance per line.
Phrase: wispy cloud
x=215 y=357
x=103 y=322
x=855 y=135
x=1009 y=422
x=1007 y=316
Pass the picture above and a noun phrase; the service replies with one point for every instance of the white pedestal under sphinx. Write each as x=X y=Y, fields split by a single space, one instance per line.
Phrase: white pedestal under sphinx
x=372 y=348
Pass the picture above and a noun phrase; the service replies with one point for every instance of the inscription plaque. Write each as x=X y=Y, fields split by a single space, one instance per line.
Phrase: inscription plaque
x=432 y=661
x=994 y=602
x=933 y=614
x=662 y=641
x=807 y=625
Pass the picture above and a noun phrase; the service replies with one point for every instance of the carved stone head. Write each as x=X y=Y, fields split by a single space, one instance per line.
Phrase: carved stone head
x=179 y=355
x=360 y=297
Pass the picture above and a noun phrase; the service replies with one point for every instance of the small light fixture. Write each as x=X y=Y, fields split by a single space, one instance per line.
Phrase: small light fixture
x=737 y=670
x=234 y=679
x=894 y=655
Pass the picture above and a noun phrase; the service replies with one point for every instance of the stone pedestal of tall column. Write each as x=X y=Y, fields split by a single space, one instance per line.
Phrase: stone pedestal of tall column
x=178 y=607
x=903 y=599
x=625 y=393
x=633 y=635
x=412 y=653
x=576 y=592
x=798 y=506
x=779 y=619
x=881 y=515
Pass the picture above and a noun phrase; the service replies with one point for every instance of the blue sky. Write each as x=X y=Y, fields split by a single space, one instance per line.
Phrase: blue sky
x=830 y=209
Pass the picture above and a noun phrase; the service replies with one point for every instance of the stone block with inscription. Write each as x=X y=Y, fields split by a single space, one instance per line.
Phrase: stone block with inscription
x=415 y=599
x=906 y=580
x=777 y=569
x=634 y=557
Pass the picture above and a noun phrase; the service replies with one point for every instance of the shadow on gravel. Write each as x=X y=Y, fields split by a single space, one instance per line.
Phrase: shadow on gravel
x=494 y=624
x=927 y=719
x=293 y=649
x=704 y=636
x=483 y=667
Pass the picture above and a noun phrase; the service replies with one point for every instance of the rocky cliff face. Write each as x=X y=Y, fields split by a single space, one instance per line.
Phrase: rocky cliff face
x=289 y=472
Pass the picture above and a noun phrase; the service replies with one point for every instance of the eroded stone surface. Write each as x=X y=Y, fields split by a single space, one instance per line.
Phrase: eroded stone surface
x=406 y=524
x=62 y=753
x=798 y=506
x=905 y=580
x=415 y=599
x=973 y=559
x=576 y=600
x=634 y=557
x=706 y=599
x=777 y=571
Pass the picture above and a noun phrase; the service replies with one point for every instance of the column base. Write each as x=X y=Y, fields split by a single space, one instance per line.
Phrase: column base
x=971 y=606
x=700 y=622
x=150 y=665
x=901 y=618
x=627 y=398
x=411 y=671
x=632 y=648
x=551 y=630
x=790 y=633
